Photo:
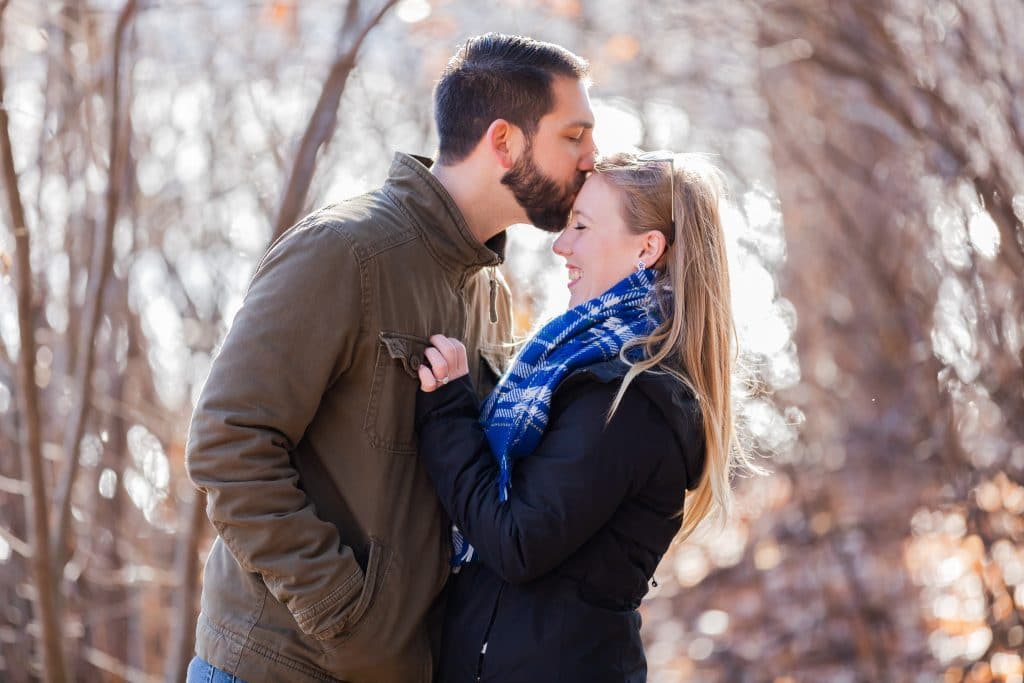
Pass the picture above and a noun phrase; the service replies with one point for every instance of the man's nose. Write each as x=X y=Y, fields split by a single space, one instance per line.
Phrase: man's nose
x=587 y=159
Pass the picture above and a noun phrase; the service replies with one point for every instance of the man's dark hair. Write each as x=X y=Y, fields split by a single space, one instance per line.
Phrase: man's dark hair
x=496 y=76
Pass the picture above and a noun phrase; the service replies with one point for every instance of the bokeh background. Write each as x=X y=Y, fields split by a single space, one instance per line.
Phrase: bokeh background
x=151 y=149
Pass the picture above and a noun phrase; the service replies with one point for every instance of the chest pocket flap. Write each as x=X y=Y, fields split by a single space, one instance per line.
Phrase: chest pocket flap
x=391 y=410
x=407 y=349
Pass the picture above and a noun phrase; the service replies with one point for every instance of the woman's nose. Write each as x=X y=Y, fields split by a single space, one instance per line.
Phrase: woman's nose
x=561 y=245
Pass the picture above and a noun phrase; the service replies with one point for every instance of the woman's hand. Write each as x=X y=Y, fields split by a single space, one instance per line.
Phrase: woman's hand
x=448 y=361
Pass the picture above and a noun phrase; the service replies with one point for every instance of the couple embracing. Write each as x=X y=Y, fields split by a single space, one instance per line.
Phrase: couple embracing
x=397 y=497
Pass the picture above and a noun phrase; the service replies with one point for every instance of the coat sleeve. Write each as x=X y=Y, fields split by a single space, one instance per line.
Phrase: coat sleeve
x=291 y=340
x=561 y=494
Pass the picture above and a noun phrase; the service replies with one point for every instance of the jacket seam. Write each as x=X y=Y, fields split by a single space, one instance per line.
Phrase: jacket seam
x=420 y=231
x=309 y=224
x=363 y=278
x=328 y=601
x=379 y=581
x=266 y=652
x=259 y=615
x=466 y=267
x=306 y=613
x=263 y=651
x=382 y=245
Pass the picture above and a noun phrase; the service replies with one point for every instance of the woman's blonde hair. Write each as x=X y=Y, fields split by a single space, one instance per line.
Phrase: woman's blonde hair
x=696 y=340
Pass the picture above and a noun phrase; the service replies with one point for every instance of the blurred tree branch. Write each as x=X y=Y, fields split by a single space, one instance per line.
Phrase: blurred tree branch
x=105 y=662
x=894 y=125
x=99 y=274
x=325 y=114
x=14 y=486
x=887 y=74
x=17 y=545
x=186 y=570
x=28 y=405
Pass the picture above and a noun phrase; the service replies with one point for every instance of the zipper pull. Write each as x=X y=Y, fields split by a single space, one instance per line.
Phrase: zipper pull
x=480 y=664
x=494 y=298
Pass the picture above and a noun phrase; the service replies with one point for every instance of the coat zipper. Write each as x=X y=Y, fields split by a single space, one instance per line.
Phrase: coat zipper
x=493 y=296
x=487 y=635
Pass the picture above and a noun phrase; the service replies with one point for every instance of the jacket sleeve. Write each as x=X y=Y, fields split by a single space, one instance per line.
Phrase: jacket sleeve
x=561 y=494
x=292 y=338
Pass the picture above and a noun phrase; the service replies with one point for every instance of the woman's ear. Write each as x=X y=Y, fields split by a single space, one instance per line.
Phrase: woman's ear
x=653 y=247
x=503 y=140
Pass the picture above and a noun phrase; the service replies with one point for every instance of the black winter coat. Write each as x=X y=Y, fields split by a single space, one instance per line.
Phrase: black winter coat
x=563 y=565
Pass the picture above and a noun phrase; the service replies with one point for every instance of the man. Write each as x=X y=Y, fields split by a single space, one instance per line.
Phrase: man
x=332 y=546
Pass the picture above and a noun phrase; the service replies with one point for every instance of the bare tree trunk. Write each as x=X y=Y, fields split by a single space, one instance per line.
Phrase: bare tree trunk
x=28 y=406
x=325 y=114
x=186 y=565
x=98 y=276
x=111 y=634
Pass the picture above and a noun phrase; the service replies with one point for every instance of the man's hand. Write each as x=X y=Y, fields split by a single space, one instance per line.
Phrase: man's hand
x=448 y=361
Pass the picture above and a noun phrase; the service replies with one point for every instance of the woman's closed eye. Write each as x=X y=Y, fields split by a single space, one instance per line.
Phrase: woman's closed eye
x=579 y=226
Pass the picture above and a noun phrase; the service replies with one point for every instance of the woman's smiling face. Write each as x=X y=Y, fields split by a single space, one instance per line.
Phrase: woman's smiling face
x=598 y=247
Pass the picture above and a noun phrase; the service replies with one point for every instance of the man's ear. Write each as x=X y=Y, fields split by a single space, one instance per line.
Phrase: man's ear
x=504 y=141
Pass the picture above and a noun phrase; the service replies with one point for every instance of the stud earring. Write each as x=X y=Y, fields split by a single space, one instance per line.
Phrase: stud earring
x=641 y=266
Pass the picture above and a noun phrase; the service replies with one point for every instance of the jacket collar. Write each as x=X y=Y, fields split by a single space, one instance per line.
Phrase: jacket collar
x=433 y=211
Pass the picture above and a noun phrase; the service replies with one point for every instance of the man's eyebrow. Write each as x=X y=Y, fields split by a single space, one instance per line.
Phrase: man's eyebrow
x=580 y=124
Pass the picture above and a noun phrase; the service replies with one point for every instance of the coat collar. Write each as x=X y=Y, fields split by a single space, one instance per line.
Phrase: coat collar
x=439 y=221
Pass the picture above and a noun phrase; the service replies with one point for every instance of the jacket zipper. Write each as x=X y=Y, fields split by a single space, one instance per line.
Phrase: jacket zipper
x=493 y=296
x=487 y=635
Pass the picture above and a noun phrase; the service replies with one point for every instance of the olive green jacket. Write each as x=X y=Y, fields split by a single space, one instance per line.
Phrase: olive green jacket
x=332 y=546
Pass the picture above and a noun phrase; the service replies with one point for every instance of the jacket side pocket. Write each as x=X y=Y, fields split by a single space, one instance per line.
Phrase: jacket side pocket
x=373 y=578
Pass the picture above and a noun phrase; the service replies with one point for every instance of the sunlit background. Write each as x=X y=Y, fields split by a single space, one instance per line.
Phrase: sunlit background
x=875 y=153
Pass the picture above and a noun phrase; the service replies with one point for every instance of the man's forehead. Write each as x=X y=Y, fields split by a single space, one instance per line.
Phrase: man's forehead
x=572 y=104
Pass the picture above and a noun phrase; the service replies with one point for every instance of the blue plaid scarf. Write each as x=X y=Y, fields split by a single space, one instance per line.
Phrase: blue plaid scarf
x=515 y=415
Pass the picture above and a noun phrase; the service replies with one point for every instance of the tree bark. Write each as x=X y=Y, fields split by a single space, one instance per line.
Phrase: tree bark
x=28 y=406
x=325 y=114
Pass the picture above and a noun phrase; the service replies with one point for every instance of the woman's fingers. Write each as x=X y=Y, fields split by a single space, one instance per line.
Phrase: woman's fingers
x=444 y=345
x=454 y=353
x=447 y=360
x=438 y=363
x=463 y=360
x=427 y=381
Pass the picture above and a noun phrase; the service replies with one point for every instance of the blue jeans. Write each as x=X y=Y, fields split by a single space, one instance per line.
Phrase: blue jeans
x=201 y=671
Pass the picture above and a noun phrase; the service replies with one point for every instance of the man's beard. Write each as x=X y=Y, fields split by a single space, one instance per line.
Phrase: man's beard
x=547 y=204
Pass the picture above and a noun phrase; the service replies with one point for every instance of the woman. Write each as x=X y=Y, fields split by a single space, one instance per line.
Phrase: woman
x=570 y=484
